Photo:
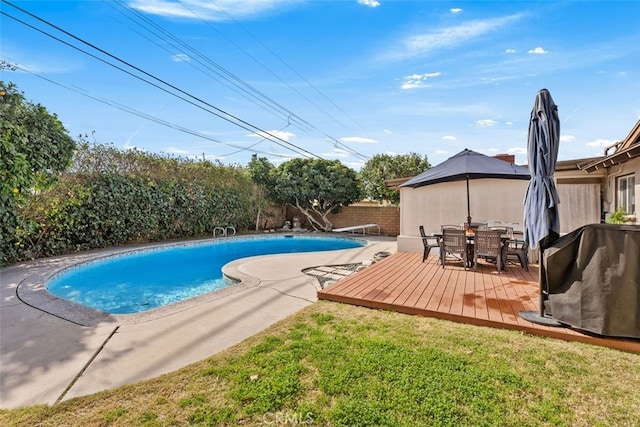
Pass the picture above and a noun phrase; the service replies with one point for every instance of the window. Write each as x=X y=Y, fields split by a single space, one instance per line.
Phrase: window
x=626 y=193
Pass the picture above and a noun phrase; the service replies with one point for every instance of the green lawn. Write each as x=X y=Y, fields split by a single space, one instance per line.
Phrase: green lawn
x=334 y=364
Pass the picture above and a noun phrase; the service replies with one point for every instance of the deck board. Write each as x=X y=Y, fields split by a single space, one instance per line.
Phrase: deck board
x=482 y=296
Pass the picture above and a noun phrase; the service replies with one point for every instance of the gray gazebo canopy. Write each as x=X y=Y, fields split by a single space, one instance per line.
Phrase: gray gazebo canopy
x=468 y=164
x=465 y=166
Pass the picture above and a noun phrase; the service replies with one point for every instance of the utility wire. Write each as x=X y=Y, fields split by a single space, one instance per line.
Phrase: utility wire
x=225 y=77
x=286 y=64
x=347 y=148
x=255 y=60
x=253 y=145
x=218 y=112
x=158 y=120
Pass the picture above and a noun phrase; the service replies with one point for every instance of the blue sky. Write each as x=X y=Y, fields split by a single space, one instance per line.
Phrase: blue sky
x=343 y=79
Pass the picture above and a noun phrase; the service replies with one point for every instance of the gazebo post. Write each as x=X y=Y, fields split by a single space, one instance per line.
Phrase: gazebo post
x=468 y=206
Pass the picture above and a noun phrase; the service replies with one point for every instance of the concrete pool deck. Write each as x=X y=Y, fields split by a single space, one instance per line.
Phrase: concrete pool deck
x=53 y=350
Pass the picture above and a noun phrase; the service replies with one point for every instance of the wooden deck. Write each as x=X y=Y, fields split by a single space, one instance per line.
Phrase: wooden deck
x=403 y=283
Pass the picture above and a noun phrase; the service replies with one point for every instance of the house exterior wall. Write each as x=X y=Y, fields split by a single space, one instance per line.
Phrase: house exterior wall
x=446 y=203
x=580 y=196
x=632 y=166
x=579 y=205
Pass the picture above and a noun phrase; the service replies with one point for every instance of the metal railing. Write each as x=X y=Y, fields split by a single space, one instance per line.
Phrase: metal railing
x=224 y=231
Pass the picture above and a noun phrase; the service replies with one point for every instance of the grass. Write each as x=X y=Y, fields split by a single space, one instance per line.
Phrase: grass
x=333 y=364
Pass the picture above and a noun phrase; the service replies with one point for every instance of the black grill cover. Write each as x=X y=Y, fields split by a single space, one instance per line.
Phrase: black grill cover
x=592 y=276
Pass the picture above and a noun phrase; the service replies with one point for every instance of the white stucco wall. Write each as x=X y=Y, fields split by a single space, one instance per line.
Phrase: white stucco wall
x=446 y=203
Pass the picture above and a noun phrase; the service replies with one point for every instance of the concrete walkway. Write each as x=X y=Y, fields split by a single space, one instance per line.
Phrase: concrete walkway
x=52 y=350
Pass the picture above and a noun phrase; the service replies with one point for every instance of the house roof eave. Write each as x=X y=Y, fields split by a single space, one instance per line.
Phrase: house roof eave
x=627 y=149
x=614 y=159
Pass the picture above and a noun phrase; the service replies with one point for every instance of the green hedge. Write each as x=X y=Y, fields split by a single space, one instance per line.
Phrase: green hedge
x=112 y=198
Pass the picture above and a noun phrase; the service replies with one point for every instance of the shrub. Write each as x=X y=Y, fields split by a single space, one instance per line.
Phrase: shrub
x=618 y=217
x=110 y=197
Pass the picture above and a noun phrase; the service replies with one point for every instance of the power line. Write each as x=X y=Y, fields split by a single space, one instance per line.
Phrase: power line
x=349 y=149
x=218 y=112
x=279 y=58
x=156 y=119
x=256 y=61
x=225 y=77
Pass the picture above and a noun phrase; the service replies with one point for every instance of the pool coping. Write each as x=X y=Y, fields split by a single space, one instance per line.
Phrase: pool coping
x=33 y=290
x=48 y=359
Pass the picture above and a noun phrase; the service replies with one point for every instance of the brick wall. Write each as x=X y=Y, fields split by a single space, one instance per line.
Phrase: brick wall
x=387 y=217
x=511 y=158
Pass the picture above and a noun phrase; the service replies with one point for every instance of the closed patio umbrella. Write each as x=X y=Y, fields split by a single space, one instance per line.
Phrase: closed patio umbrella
x=468 y=165
x=541 y=219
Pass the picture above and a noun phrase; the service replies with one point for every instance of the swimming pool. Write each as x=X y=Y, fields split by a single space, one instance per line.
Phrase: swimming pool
x=139 y=281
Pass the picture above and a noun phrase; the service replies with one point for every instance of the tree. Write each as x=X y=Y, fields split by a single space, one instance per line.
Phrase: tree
x=34 y=148
x=383 y=167
x=316 y=187
x=260 y=170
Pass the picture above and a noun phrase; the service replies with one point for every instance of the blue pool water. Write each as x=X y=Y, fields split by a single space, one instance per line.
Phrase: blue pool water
x=141 y=281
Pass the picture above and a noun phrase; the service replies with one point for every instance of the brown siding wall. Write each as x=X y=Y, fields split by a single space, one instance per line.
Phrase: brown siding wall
x=387 y=217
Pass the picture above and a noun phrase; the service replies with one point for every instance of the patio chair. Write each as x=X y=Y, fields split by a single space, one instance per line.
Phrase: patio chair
x=488 y=244
x=451 y=227
x=518 y=249
x=454 y=242
x=503 y=229
x=494 y=222
x=516 y=226
x=428 y=242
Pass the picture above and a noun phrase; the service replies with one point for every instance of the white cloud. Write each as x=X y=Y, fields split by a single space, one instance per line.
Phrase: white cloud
x=485 y=123
x=538 y=51
x=175 y=150
x=415 y=81
x=370 y=3
x=510 y=51
x=181 y=57
x=424 y=44
x=567 y=138
x=49 y=65
x=129 y=143
x=220 y=10
x=600 y=143
x=358 y=140
x=212 y=157
x=285 y=136
x=455 y=10
x=517 y=150
x=337 y=153
x=449 y=138
x=441 y=152
x=355 y=165
x=508 y=123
